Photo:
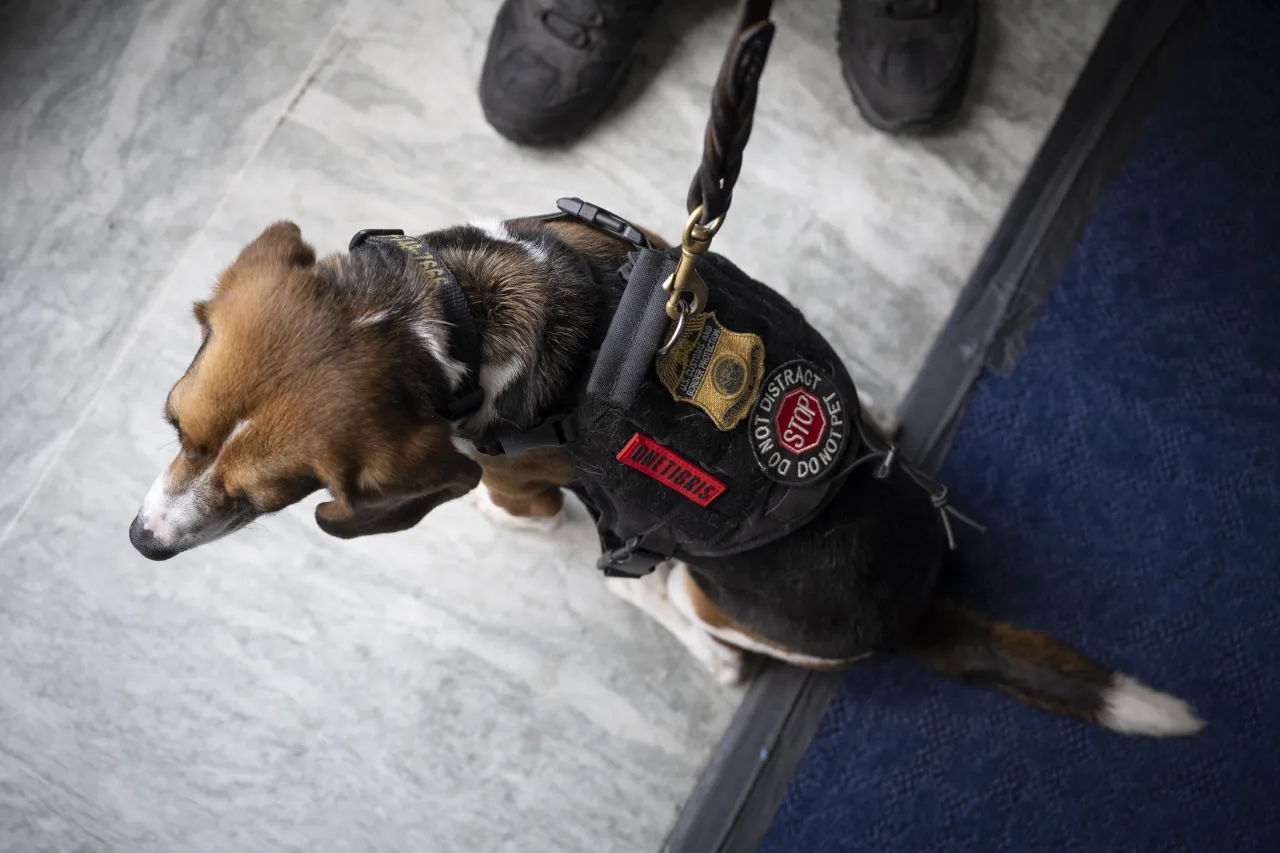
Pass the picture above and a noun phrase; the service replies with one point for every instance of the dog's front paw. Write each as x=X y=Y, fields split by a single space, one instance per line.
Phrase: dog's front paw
x=499 y=516
x=727 y=664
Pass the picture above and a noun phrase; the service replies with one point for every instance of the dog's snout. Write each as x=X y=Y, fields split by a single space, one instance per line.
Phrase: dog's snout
x=146 y=543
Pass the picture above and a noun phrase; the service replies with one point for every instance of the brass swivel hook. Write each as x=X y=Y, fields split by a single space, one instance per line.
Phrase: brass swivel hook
x=694 y=242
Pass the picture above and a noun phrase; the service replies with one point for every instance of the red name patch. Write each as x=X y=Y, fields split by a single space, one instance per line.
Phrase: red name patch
x=648 y=457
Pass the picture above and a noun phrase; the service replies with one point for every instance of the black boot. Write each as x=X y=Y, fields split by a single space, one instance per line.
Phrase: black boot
x=555 y=65
x=907 y=62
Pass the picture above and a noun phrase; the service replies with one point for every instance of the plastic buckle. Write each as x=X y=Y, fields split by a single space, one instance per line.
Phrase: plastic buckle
x=629 y=561
x=598 y=217
x=361 y=236
x=548 y=432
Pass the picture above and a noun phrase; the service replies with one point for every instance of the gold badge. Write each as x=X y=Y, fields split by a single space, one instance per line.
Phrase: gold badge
x=717 y=370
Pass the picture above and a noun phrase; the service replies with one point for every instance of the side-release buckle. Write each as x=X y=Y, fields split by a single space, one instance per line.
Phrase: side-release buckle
x=603 y=220
x=552 y=431
x=629 y=561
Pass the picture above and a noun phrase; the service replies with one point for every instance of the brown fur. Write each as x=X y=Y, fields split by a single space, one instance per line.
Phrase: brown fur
x=529 y=485
x=1029 y=666
x=501 y=274
x=320 y=416
x=587 y=240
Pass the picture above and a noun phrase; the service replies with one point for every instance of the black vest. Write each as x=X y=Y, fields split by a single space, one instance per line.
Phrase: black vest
x=663 y=477
x=660 y=476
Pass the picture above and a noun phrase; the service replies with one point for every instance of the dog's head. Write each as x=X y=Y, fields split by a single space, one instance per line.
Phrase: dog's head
x=301 y=382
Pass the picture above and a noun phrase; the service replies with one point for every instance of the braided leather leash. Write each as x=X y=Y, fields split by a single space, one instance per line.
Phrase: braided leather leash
x=733 y=105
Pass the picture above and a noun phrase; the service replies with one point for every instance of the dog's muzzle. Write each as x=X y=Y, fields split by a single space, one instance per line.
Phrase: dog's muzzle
x=146 y=543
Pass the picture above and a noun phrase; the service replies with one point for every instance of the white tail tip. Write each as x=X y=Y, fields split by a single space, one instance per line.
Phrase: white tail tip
x=1133 y=708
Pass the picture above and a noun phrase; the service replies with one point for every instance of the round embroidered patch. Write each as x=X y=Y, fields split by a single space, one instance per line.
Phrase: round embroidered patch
x=729 y=374
x=798 y=427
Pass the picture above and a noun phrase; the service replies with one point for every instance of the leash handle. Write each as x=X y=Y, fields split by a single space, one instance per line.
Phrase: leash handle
x=733 y=105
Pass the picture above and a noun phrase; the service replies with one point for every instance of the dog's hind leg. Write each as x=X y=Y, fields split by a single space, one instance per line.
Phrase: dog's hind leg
x=688 y=598
x=649 y=593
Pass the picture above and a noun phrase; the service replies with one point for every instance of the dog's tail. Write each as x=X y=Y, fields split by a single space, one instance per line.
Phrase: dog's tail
x=1037 y=669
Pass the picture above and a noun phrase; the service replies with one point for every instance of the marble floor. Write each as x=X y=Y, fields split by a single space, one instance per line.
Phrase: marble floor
x=454 y=688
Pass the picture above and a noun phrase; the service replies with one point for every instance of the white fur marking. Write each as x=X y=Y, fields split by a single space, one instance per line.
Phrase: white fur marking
x=541 y=254
x=499 y=231
x=372 y=319
x=465 y=446
x=168 y=516
x=153 y=503
x=494 y=228
x=454 y=371
x=235 y=432
x=494 y=379
x=182 y=518
x=649 y=593
x=498 y=515
x=1133 y=708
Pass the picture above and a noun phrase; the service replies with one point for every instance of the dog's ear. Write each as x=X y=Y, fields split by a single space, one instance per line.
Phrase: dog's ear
x=395 y=491
x=280 y=245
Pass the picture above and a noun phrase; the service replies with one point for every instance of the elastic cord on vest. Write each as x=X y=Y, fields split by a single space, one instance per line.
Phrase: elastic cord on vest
x=887 y=454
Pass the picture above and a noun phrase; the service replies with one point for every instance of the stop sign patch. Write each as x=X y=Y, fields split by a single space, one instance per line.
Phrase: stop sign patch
x=798 y=426
x=800 y=422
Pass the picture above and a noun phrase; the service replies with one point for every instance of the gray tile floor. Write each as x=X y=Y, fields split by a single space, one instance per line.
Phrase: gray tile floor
x=455 y=688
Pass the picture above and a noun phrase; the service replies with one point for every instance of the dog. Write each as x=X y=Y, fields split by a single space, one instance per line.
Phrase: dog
x=332 y=374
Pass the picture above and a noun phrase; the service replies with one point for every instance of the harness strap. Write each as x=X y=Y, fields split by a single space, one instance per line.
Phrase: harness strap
x=464 y=341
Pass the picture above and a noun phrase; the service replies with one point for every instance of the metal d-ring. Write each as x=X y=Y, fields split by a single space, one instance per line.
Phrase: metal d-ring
x=682 y=311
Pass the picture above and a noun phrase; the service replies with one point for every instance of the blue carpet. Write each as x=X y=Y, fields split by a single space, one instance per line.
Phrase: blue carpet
x=1129 y=470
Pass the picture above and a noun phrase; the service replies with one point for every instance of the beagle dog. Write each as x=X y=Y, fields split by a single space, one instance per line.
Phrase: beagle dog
x=335 y=374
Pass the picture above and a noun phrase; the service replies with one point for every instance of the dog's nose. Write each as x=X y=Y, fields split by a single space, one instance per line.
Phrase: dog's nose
x=145 y=541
